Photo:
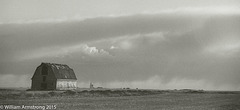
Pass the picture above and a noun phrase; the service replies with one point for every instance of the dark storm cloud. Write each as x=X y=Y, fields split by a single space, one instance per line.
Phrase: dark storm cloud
x=95 y=28
x=181 y=55
x=25 y=37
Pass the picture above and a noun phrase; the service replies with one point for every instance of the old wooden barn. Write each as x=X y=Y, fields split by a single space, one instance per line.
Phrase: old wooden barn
x=51 y=76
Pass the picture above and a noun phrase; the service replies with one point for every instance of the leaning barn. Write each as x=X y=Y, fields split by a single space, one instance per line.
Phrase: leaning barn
x=50 y=76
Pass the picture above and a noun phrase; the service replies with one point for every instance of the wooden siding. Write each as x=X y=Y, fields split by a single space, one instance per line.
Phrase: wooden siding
x=66 y=84
x=38 y=77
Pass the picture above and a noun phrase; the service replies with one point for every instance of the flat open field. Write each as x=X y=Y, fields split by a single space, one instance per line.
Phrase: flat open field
x=124 y=99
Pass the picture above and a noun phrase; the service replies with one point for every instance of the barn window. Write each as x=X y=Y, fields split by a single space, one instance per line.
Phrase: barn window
x=44 y=70
x=44 y=78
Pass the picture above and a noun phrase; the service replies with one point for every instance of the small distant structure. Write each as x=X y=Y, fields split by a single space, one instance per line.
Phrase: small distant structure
x=91 y=86
x=126 y=88
x=52 y=76
x=100 y=87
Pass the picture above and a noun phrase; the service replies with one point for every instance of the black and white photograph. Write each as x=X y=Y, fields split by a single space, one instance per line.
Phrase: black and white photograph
x=119 y=54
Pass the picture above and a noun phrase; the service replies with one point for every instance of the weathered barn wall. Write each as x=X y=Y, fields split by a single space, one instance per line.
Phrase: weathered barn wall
x=38 y=77
x=66 y=84
x=36 y=81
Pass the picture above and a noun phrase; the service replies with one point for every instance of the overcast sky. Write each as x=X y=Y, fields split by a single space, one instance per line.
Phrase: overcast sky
x=155 y=44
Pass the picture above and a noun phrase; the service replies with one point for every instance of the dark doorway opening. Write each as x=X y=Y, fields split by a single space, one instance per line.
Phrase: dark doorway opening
x=44 y=86
x=44 y=70
x=44 y=78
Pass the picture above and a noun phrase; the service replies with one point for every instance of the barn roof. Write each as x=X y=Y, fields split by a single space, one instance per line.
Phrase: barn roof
x=61 y=71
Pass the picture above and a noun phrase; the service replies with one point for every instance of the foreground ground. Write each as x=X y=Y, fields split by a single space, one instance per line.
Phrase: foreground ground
x=127 y=99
